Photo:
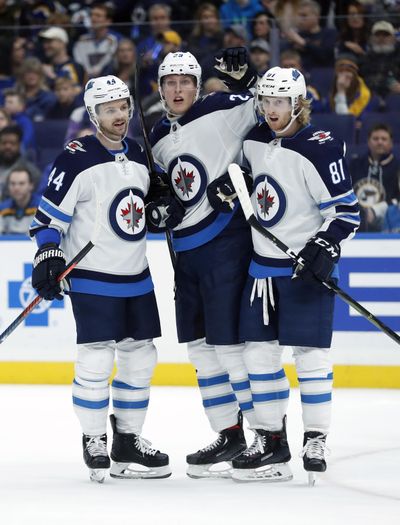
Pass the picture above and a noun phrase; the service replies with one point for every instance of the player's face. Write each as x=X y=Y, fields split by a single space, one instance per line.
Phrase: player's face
x=179 y=92
x=114 y=118
x=277 y=111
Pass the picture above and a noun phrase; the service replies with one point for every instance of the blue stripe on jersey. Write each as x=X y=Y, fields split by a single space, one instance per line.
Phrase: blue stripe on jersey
x=211 y=381
x=316 y=398
x=262 y=272
x=329 y=377
x=271 y=396
x=243 y=385
x=85 y=403
x=215 y=401
x=111 y=289
x=124 y=386
x=246 y=406
x=54 y=212
x=350 y=199
x=109 y=278
x=268 y=377
x=190 y=242
x=117 y=403
x=354 y=218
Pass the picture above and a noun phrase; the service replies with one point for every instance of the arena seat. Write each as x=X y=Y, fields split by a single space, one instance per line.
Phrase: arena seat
x=321 y=78
x=340 y=126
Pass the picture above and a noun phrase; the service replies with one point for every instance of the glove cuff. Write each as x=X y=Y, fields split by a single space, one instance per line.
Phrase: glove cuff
x=48 y=251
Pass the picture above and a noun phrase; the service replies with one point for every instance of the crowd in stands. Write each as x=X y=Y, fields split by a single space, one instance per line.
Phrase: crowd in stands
x=349 y=52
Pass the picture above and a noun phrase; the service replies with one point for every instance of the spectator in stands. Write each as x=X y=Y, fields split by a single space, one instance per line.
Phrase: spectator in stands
x=235 y=36
x=292 y=58
x=15 y=105
x=96 y=49
x=124 y=62
x=260 y=55
x=18 y=54
x=4 y=118
x=17 y=212
x=10 y=154
x=207 y=36
x=354 y=31
x=151 y=50
x=32 y=85
x=376 y=178
x=315 y=44
x=261 y=26
x=349 y=94
x=67 y=99
x=239 y=12
x=381 y=65
x=59 y=63
x=286 y=12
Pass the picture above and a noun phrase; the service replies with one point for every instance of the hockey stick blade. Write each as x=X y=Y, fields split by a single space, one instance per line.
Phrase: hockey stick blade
x=236 y=176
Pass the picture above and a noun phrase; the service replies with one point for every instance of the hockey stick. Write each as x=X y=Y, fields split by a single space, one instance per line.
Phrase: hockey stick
x=240 y=186
x=149 y=153
x=68 y=269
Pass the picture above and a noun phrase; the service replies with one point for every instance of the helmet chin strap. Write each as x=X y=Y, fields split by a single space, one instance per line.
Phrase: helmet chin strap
x=293 y=117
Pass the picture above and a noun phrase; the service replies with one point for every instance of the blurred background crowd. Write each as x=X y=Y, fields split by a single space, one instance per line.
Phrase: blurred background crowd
x=347 y=50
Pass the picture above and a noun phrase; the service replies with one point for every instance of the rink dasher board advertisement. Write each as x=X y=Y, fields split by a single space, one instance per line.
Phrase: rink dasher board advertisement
x=42 y=348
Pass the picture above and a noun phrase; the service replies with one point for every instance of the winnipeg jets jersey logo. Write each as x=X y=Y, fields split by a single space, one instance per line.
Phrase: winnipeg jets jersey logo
x=126 y=214
x=269 y=200
x=74 y=146
x=321 y=136
x=188 y=178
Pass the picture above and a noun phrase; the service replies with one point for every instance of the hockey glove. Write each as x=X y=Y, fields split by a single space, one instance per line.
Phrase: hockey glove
x=317 y=259
x=164 y=213
x=221 y=192
x=158 y=188
x=234 y=69
x=48 y=264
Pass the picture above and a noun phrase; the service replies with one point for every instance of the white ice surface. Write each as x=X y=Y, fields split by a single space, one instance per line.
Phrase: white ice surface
x=43 y=479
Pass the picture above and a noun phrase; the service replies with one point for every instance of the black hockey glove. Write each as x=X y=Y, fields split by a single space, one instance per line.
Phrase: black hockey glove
x=158 y=187
x=164 y=213
x=234 y=69
x=317 y=259
x=48 y=263
x=221 y=192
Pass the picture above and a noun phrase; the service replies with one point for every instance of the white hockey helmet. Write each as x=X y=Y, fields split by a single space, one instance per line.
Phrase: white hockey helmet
x=179 y=63
x=105 y=89
x=282 y=82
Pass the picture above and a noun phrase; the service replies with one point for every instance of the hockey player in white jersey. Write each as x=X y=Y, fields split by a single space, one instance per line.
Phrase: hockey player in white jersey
x=104 y=179
x=194 y=144
x=302 y=193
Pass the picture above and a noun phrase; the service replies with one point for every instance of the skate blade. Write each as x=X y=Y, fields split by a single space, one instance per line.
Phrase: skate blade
x=312 y=478
x=98 y=475
x=136 y=471
x=221 y=470
x=276 y=473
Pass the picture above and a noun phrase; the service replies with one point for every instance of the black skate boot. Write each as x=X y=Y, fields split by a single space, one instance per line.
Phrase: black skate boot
x=313 y=453
x=130 y=450
x=266 y=459
x=95 y=456
x=229 y=444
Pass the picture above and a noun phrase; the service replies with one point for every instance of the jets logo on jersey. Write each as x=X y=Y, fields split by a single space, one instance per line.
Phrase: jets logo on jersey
x=74 y=146
x=188 y=178
x=269 y=200
x=126 y=214
x=321 y=136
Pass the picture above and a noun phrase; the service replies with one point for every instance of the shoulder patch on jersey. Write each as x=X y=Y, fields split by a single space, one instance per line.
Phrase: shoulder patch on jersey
x=321 y=136
x=74 y=146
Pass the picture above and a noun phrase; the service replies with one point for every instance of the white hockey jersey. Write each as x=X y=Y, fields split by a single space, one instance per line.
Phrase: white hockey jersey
x=301 y=186
x=194 y=150
x=89 y=183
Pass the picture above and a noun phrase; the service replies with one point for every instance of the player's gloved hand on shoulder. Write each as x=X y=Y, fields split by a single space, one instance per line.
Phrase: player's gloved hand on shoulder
x=221 y=192
x=234 y=69
x=164 y=213
x=317 y=259
x=48 y=264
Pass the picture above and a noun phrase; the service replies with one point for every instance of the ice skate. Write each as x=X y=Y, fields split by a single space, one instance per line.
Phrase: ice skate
x=134 y=458
x=266 y=459
x=214 y=460
x=313 y=454
x=95 y=456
